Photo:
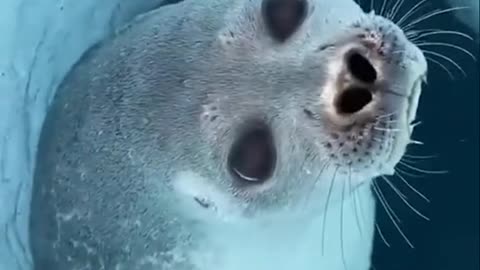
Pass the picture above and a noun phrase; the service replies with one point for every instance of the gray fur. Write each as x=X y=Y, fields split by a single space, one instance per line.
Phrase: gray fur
x=169 y=94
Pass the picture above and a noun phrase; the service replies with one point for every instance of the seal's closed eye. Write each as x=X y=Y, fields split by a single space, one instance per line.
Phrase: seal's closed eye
x=252 y=157
x=283 y=17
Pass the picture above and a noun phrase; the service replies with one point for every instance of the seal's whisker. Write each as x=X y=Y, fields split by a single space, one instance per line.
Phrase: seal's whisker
x=412 y=34
x=382 y=122
x=412 y=161
x=342 y=243
x=379 y=194
x=415 y=142
x=447 y=59
x=399 y=175
x=386 y=121
x=420 y=157
x=410 y=12
x=416 y=124
x=381 y=235
x=432 y=32
x=391 y=121
x=430 y=15
x=355 y=198
x=387 y=129
x=390 y=114
x=312 y=189
x=325 y=212
x=387 y=115
x=379 y=139
x=404 y=198
x=382 y=9
x=400 y=170
x=395 y=189
x=442 y=66
x=387 y=206
x=394 y=11
x=302 y=169
x=447 y=45
x=309 y=155
x=413 y=168
x=324 y=167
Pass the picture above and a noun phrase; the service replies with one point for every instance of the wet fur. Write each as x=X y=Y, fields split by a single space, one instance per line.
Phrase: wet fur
x=152 y=112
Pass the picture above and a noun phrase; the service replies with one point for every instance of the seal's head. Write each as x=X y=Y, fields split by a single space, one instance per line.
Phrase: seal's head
x=264 y=112
x=300 y=96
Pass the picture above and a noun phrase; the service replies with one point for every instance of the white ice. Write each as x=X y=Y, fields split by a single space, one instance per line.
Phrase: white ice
x=39 y=41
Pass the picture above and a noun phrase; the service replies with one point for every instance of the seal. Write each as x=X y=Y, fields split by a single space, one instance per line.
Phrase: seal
x=225 y=135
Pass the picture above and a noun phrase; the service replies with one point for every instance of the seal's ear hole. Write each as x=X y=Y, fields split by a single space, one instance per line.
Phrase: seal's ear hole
x=353 y=100
x=283 y=17
x=252 y=158
x=361 y=68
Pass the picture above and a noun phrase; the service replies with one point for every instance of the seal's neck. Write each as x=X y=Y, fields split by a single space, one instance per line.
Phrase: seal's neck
x=338 y=240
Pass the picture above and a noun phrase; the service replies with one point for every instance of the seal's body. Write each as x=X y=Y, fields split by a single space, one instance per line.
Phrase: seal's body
x=225 y=135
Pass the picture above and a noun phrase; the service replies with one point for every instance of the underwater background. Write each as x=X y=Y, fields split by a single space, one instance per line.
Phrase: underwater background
x=449 y=112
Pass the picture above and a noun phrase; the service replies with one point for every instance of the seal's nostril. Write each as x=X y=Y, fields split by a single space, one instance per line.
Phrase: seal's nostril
x=361 y=68
x=283 y=17
x=353 y=100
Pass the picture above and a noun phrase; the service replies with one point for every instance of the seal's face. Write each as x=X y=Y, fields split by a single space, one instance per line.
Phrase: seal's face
x=303 y=97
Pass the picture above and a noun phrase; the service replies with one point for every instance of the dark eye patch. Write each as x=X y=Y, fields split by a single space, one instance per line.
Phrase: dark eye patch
x=283 y=17
x=252 y=157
